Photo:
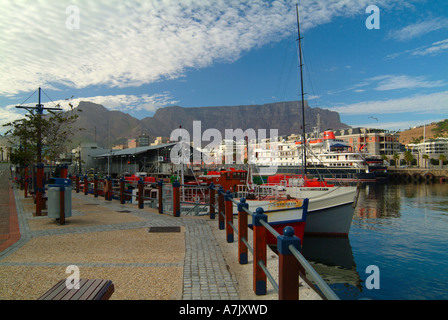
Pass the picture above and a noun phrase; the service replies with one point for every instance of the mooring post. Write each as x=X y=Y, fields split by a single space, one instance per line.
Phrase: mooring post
x=160 y=186
x=229 y=215
x=64 y=171
x=221 y=208
x=77 y=183
x=140 y=193
x=259 y=243
x=26 y=181
x=39 y=188
x=105 y=188
x=95 y=186
x=176 y=199
x=86 y=185
x=110 y=188
x=122 y=190
x=242 y=231
x=212 y=200
x=61 y=205
x=288 y=266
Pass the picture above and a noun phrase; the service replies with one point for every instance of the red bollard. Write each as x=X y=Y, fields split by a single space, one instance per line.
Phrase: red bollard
x=122 y=190
x=95 y=186
x=86 y=185
x=77 y=183
x=242 y=231
x=140 y=193
x=110 y=189
x=62 y=206
x=221 y=208
x=26 y=181
x=39 y=188
x=288 y=268
x=259 y=243
x=176 y=199
x=229 y=216
x=160 y=186
x=64 y=171
x=212 y=201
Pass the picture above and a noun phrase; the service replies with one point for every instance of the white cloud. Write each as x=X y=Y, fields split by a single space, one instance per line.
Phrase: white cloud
x=418 y=29
x=130 y=43
x=433 y=49
x=124 y=103
x=393 y=82
x=435 y=103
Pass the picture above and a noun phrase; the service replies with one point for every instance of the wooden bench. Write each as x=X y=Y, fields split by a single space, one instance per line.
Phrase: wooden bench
x=89 y=289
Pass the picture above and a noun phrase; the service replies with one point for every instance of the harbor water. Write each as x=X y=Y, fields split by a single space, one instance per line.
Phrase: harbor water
x=397 y=247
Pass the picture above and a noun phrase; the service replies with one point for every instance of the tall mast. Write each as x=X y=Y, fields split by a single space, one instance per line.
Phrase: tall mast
x=301 y=88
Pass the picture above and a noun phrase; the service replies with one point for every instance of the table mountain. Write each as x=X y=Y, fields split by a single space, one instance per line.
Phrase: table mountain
x=116 y=127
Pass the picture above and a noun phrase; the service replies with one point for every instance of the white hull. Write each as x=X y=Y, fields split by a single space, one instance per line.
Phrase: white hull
x=277 y=210
x=331 y=221
x=330 y=209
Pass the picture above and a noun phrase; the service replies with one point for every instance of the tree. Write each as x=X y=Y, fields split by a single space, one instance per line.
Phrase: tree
x=385 y=158
x=426 y=157
x=408 y=157
x=396 y=157
x=442 y=159
x=56 y=130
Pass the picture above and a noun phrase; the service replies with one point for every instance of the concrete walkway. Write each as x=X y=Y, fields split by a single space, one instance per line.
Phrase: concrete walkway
x=108 y=240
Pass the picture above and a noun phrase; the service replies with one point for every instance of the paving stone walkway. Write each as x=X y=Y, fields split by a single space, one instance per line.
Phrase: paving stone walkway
x=205 y=272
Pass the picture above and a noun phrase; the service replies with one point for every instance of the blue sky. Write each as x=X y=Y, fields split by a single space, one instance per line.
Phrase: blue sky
x=139 y=56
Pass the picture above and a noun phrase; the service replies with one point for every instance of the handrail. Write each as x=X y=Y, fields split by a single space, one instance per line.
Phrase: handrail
x=226 y=212
x=320 y=283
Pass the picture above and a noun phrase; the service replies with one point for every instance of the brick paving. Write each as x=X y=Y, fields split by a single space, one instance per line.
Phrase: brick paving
x=204 y=270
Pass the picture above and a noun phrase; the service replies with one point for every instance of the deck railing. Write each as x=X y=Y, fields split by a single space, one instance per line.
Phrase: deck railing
x=288 y=246
x=291 y=261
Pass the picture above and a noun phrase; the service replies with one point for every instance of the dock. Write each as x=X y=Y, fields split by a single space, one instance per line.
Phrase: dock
x=148 y=255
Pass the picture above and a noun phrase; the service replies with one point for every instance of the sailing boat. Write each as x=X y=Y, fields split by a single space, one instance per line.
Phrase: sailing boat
x=330 y=208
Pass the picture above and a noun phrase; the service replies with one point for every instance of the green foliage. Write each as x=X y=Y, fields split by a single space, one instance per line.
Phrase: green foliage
x=55 y=131
x=416 y=140
x=408 y=157
x=442 y=129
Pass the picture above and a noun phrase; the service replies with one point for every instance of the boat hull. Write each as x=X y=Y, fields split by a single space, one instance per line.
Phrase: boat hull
x=280 y=215
x=330 y=211
x=333 y=221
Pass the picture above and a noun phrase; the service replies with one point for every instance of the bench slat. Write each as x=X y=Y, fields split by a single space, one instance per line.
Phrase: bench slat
x=90 y=289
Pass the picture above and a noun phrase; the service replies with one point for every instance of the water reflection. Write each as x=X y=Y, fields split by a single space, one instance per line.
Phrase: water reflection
x=333 y=260
x=402 y=228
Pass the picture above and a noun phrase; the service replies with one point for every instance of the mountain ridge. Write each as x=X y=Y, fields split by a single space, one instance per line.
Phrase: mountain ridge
x=111 y=127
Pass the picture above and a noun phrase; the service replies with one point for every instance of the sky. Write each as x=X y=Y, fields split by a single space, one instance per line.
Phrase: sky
x=381 y=67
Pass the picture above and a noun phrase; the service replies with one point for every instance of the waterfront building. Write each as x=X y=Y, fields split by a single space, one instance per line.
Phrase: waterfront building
x=376 y=142
x=433 y=148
